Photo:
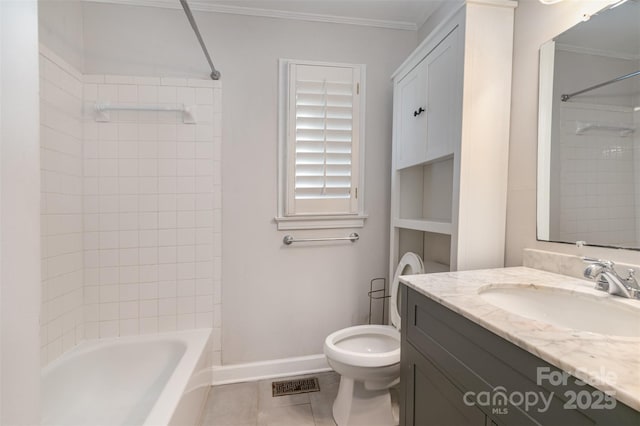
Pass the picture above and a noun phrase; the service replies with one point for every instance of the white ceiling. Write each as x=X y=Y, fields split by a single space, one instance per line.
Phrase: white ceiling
x=399 y=14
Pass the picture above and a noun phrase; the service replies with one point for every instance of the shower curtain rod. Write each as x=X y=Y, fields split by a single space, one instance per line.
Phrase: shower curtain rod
x=565 y=98
x=215 y=74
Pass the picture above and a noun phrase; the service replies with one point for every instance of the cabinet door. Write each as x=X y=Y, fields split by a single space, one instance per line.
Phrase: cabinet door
x=444 y=97
x=431 y=399
x=429 y=104
x=411 y=147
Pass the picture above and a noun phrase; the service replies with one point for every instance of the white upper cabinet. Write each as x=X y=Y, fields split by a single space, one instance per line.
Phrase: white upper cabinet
x=452 y=101
x=427 y=103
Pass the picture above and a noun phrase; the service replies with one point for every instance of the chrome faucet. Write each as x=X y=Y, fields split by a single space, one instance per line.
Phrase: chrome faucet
x=607 y=279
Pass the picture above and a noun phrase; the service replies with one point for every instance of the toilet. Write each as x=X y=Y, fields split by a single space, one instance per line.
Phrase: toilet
x=367 y=357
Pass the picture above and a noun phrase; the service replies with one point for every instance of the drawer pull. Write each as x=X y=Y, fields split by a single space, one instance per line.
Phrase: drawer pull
x=418 y=112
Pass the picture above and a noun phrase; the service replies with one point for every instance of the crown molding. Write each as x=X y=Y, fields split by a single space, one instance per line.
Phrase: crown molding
x=597 y=52
x=267 y=13
x=510 y=4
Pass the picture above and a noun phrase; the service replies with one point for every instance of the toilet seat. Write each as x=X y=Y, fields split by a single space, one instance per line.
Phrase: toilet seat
x=364 y=345
x=410 y=264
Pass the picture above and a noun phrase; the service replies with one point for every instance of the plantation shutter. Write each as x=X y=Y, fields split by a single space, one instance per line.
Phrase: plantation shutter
x=323 y=131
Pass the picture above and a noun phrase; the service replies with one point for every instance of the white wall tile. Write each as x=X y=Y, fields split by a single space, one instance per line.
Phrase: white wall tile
x=167 y=323
x=93 y=78
x=169 y=81
x=121 y=204
x=108 y=329
x=167 y=201
x=147 y=94
x=186 y=236
x=186 y=95
x=186 y=150
x=167 y=149
x=167 y=306
x=149 y=291
x=148 y=308
x=147 y=149
x=129 y=278
x=119 y=79
x=129 y=327
x=187 y=132
x=109 y=311
x=205 y=319
x=167 y=94
x=185 y=321
x=127 y=93
x=167 y=255
x=185 y=202
x=203 y=83
x=204 y=96
x=148 y=81
x=61 y=162
x=148 y=255
x=167 y=132
x=149 y=325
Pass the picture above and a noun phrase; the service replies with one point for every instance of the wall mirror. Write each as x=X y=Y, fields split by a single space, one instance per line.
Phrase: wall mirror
x=589 y=131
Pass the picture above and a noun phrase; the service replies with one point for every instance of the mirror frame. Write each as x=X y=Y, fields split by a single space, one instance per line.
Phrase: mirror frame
x=545 y=112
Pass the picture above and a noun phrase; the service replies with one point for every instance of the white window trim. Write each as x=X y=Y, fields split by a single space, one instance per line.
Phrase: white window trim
x=305 y=221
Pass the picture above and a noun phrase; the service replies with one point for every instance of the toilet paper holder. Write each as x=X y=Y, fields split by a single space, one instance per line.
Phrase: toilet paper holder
x=375 y=295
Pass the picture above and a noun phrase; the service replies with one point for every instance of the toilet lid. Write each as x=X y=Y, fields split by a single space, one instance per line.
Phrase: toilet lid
x=410 y=264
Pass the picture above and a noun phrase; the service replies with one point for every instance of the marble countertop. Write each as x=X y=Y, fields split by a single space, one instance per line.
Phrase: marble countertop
x=610 y=363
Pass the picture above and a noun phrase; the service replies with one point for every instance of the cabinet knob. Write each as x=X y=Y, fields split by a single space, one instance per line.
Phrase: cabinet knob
x=418 y=112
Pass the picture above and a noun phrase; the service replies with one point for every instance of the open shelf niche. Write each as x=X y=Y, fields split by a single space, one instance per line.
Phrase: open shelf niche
x=433 y=248
x=426 y=196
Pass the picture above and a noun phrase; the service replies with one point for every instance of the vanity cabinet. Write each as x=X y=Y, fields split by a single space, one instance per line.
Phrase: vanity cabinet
x=455 y=372
x=450 y=140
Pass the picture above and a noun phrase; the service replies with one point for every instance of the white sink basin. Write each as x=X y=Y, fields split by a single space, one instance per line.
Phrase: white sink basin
x=601 y=314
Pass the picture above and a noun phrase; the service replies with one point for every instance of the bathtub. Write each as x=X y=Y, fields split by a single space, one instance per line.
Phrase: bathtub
x=158 y=379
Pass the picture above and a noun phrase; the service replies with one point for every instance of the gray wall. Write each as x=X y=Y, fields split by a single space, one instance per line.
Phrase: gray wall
x=60 y=27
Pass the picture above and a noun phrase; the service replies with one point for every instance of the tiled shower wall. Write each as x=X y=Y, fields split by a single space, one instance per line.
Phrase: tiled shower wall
x=131 y=208
x=152 y=208
x=597 y=176
x=61 y=321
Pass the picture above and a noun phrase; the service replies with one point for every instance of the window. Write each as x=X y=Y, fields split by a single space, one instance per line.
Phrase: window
x=321 y=145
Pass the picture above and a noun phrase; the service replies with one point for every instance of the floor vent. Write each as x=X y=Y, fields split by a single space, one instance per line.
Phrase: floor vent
x=292 y=387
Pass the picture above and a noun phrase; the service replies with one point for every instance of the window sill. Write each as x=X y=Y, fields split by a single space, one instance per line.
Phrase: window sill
x=320 y=222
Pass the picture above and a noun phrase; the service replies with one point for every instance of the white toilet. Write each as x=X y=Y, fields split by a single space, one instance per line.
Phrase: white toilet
x=367 y=357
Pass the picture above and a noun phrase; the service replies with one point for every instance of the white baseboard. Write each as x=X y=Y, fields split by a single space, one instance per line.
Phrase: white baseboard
x=236 y=373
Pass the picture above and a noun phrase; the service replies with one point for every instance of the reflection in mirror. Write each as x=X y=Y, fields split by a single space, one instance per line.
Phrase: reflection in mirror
x=589 y=131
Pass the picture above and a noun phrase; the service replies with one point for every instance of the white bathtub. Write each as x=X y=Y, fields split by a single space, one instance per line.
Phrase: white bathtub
x=140 y=380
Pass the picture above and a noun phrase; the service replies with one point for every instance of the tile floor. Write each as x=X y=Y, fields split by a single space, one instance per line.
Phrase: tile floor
x=251 y=403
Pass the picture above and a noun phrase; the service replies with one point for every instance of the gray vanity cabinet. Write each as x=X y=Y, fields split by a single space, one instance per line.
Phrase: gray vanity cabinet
x=456 y=373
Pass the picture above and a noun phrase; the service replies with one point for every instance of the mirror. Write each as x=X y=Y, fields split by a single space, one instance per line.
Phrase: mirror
x=589 y=131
